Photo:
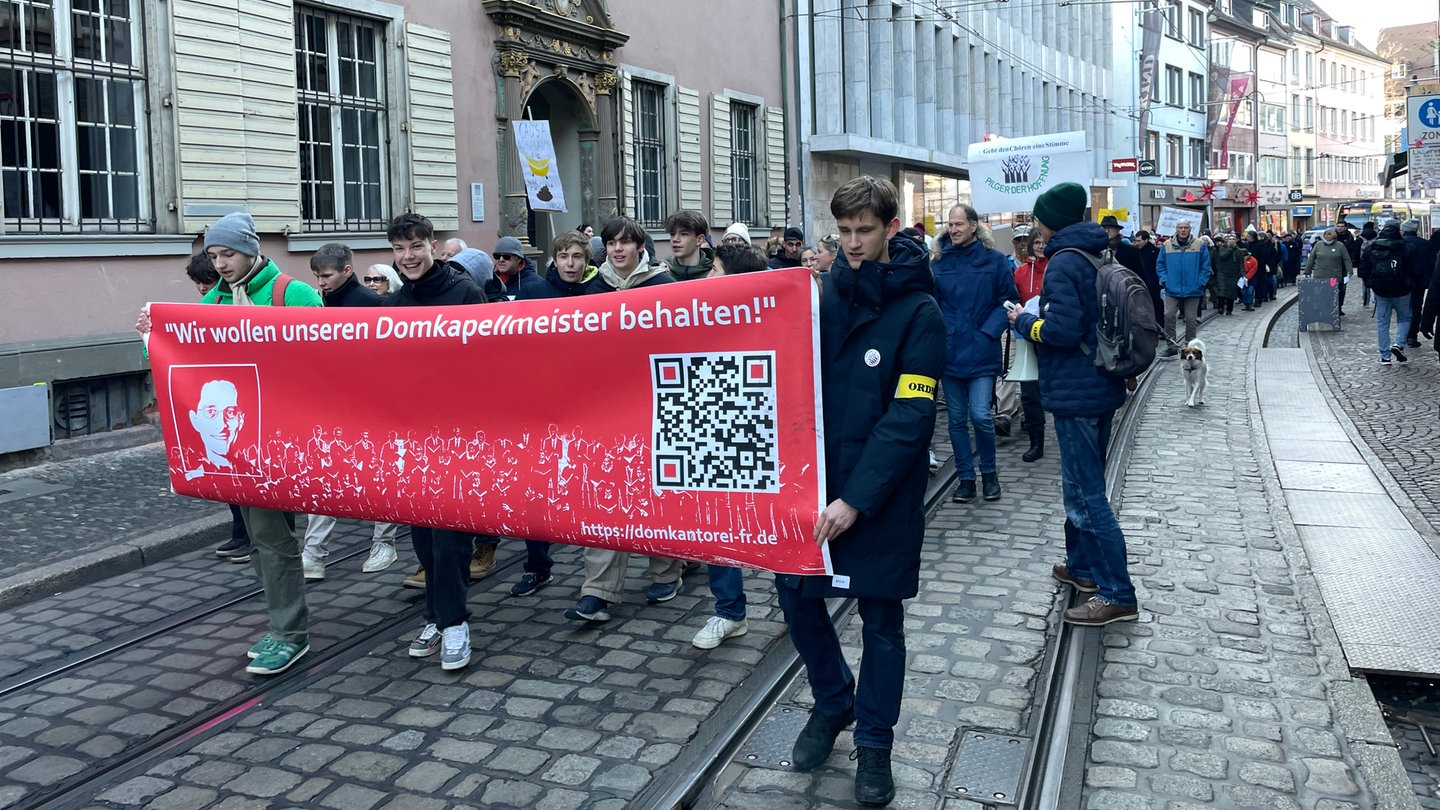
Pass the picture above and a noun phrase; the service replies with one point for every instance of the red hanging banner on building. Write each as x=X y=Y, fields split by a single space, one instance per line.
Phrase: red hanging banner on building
x=680 y=420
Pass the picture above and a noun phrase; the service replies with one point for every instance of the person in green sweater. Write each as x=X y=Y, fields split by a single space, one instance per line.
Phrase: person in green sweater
x=248 y=278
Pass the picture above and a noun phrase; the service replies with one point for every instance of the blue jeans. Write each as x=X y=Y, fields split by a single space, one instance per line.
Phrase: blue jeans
x=1094 y=544
x=968 y=400
x=1400 y=305
x=537 y=557
x=876 y=699
x=727 y=585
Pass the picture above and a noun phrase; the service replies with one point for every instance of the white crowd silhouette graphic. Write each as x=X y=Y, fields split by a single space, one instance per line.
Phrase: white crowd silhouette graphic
x=503 y=485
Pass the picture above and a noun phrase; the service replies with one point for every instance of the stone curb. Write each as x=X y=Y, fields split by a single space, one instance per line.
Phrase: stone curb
x=118 y=558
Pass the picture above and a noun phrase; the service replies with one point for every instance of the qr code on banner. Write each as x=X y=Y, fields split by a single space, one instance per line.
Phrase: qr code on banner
x=715 y=420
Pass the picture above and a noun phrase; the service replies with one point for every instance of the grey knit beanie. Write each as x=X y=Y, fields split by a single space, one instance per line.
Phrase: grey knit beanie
x=235 y=231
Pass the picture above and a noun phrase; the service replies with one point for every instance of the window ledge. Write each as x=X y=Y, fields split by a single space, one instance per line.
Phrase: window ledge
x=73 y=246
x=309 y=242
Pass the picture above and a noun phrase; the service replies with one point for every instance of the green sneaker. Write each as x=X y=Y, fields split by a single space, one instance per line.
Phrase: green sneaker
x=277 y=658
x=264 y=642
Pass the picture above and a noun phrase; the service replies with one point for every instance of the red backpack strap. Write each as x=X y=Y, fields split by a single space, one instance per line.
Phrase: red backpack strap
x=277 y=290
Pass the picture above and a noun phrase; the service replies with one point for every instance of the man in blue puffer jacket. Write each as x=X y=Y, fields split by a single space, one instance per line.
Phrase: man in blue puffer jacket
x=972 y=284
x=1184 y=270
x=1083 y=401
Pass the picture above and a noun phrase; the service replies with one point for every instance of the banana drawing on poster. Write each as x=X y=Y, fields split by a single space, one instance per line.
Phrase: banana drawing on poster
x=537 y=161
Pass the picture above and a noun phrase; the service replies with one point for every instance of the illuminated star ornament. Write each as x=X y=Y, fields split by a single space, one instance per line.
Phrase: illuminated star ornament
x=1251 y=197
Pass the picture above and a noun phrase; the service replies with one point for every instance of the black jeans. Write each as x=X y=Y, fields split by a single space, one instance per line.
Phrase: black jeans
x=1031 y=411
x=445 y=556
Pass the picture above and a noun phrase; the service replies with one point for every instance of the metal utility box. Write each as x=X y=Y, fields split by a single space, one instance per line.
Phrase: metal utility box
x=24 y=417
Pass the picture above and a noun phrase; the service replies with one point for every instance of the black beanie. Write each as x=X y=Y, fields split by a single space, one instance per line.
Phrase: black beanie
x=1061 y=206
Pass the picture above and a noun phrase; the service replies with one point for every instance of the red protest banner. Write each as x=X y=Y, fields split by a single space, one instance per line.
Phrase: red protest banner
x=679 y=420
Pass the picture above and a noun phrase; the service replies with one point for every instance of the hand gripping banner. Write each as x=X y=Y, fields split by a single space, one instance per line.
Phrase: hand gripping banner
x=679 y=420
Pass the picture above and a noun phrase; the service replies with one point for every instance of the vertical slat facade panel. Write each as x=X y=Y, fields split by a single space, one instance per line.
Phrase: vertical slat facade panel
x=430 y=96
x=627 y=146
x=236 y=134
x=687 y=119
x=775 y=165
x=722 y=204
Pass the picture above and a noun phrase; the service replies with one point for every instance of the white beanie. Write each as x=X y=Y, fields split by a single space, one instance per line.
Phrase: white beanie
x=740 y=230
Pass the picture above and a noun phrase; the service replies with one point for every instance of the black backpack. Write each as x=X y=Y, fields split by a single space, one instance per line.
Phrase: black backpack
x=1383 y=271
x=1126 y=336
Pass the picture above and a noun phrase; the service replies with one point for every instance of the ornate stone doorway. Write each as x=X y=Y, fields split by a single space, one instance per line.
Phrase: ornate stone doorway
x=556 y=61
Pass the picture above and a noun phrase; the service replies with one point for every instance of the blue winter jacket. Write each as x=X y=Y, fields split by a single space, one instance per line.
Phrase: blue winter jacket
x=1070 y=384
x=1184 y=270
x=972 y=284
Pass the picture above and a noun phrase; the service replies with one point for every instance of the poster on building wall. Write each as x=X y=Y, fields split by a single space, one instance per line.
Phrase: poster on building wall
x=1165 y=223
x=1007 y=175
x=537 y=163
x=678 y=420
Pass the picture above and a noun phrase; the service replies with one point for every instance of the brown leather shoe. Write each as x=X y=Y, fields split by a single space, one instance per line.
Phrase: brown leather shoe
x=482 y=561
x=1062 y=573
x=1096 y=612
x=415 y=580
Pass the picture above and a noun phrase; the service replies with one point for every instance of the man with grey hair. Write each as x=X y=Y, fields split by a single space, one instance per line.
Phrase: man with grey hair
x=1184 y=270
x=450 y=247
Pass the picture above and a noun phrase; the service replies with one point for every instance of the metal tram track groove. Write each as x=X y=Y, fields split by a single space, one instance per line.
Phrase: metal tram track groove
x=79 y=791
x=128 y=641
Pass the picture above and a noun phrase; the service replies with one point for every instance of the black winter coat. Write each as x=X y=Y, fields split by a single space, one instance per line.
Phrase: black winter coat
x=532 y=286
x=353 y=294
x=1149 y=255
x=1383 y=250
x=1431 y=312
x=881 y=335
x=1422 y=258
x=443 y=284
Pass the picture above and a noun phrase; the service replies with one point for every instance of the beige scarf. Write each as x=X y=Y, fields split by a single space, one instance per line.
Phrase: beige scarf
x=240 y=291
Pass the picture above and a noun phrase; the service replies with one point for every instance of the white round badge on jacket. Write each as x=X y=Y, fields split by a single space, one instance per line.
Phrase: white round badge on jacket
x=872 y=358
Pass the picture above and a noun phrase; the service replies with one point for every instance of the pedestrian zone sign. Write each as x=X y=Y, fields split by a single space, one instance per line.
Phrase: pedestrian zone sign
x=1423 y=125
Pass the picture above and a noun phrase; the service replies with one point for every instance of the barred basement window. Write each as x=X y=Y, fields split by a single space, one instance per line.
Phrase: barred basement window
x=73 y=149
x=651 y=207
x=341 y=90
x=742 y=162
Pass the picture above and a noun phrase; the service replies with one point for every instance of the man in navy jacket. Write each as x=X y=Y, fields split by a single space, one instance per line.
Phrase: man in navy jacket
x=1083 y=400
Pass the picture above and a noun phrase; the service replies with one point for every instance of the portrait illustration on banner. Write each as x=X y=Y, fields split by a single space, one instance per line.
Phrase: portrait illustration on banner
x=217 y=419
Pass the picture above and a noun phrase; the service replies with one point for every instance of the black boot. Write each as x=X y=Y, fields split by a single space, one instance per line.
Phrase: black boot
x=1037 y=448
x=817 y=739
x=964 y=493
x=874 y=785
x=990 y=482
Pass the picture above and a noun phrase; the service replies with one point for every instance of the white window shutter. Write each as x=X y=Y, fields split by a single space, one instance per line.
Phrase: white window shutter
x=722 y=202
x=430 y=93
x=627 y=146
x=687 y=119
x=775 y=165
x=232 y=155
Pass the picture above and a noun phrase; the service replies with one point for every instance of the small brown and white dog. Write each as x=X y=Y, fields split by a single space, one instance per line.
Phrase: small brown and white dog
x=1192 y=363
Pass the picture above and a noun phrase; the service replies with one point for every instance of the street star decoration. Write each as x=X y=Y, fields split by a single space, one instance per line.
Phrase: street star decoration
x=680 y=420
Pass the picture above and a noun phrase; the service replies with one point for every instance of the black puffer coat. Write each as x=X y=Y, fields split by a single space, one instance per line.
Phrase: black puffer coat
x=1229 y=264
x=878 y=323
x=352 y=294
x=442 y=285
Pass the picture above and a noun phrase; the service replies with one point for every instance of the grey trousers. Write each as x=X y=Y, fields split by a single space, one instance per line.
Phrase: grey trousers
x=275 y=555
x=318 y=529
x=605 y=572
x=1191 y=314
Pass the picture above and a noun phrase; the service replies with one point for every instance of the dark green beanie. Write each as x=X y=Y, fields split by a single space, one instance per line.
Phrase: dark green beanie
x=1061 y=206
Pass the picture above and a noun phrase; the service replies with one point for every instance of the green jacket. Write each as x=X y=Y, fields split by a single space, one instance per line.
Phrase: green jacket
x=297 y=292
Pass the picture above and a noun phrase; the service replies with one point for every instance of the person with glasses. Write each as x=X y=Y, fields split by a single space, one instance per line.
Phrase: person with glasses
x=381 y=279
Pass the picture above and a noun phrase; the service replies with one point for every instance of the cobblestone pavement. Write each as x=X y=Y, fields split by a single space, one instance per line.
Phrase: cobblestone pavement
x=85 y=504
x=1230 y=691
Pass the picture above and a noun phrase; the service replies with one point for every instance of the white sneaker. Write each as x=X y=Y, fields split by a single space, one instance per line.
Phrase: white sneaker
x=455 y=646
x=934 y=462
x=382 y=556
x=717 y=630
x=314 y=569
